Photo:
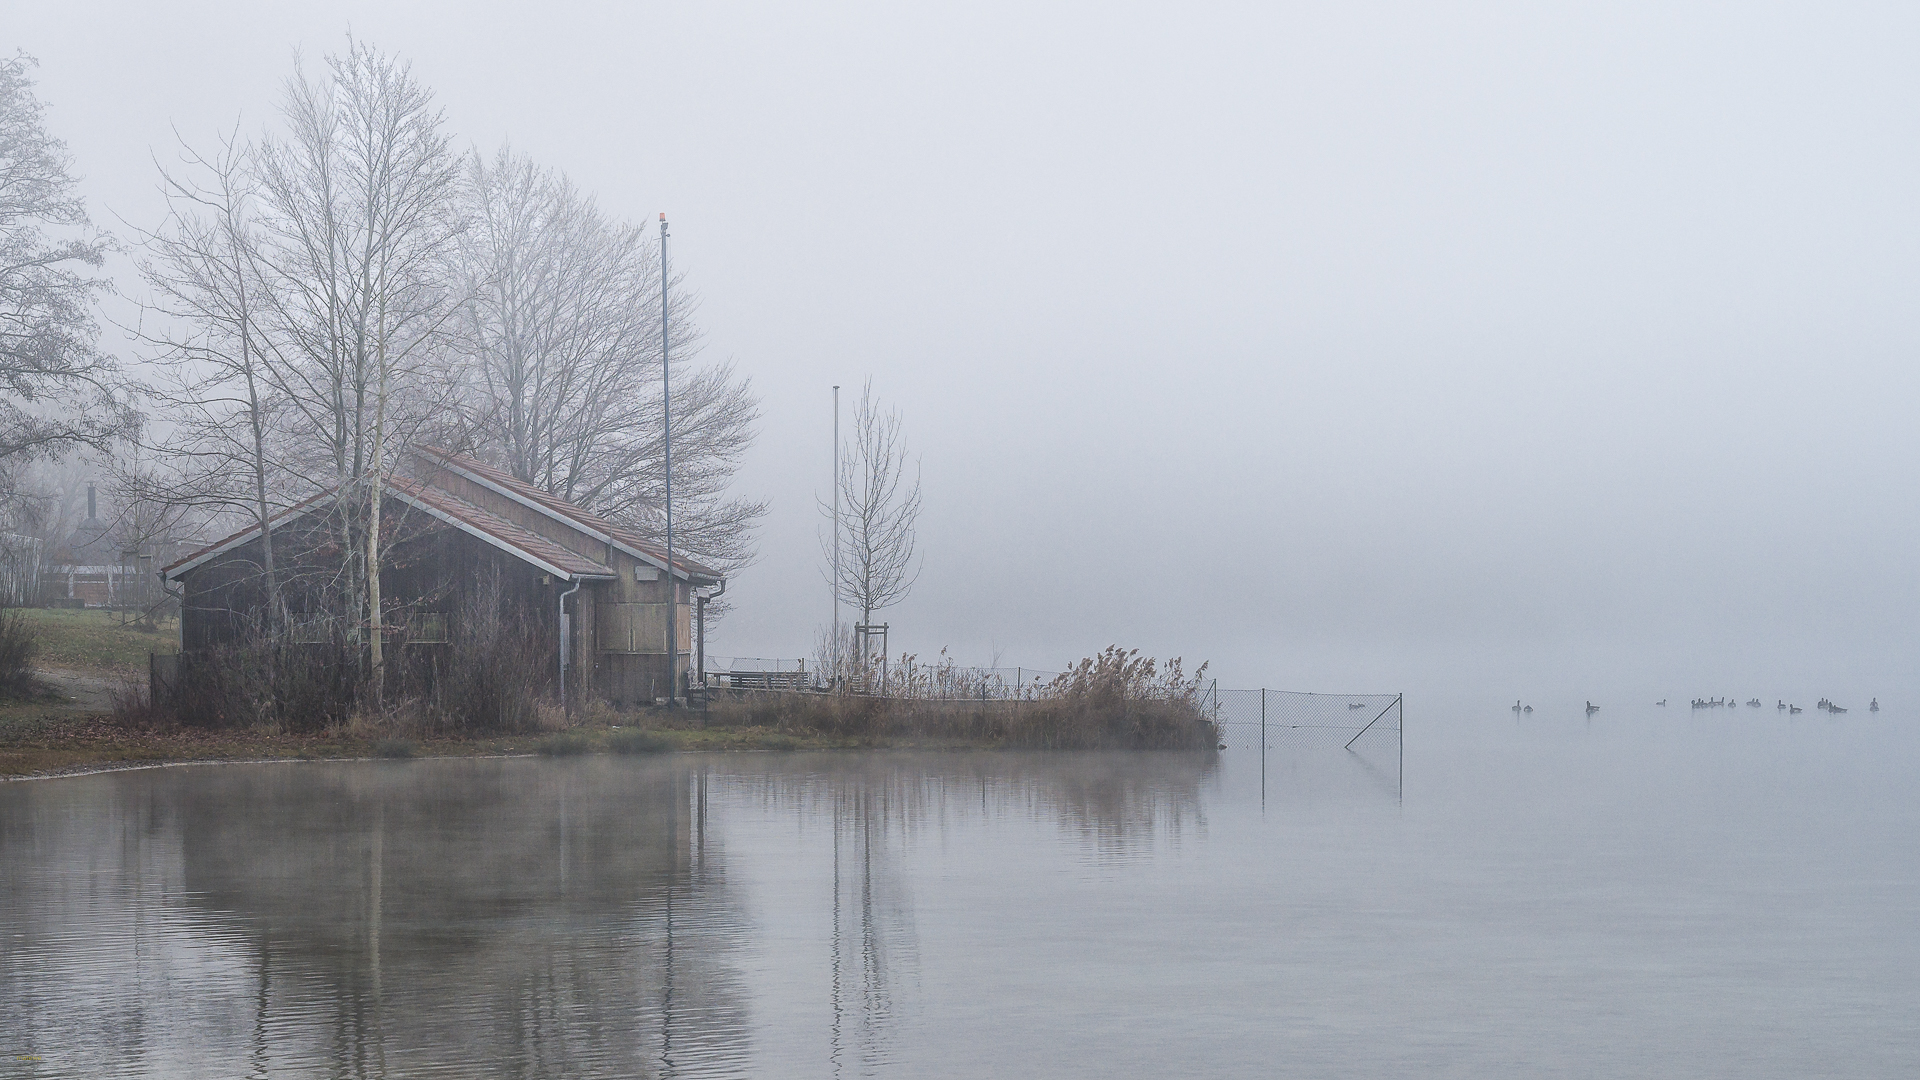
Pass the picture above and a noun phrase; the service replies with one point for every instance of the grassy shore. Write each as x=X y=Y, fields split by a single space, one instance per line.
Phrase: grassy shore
x=101 y=642
x=55 y=742
x=90 y=661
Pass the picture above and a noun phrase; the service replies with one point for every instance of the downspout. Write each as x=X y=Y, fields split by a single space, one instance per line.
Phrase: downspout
x=701 y=627
x=564 y=642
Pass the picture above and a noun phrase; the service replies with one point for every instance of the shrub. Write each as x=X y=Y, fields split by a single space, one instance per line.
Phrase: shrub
x=18 y=647
x=564 y=744
x=496 y=666
x=256 y=683
x=393 y=748
x=636 y=741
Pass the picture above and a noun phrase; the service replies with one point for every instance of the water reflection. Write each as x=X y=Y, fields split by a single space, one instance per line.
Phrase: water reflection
x=1117 y=804
x=519 y=918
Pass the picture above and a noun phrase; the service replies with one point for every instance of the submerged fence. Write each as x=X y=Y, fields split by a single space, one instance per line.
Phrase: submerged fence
x=1264 y=720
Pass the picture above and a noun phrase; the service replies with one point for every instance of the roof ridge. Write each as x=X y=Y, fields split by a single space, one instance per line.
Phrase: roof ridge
x=563 y=509
x=436 y=501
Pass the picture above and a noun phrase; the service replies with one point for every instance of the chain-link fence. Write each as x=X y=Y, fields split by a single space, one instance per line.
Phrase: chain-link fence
x=1262 y=720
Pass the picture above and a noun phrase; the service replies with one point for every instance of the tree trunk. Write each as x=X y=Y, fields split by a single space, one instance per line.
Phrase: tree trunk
x=374 y=621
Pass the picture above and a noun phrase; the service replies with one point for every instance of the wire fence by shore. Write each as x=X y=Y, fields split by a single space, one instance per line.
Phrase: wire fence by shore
x=1268 y=719
x=1262 y=719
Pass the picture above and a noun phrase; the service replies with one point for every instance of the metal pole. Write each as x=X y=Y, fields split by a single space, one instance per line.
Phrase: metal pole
x=835 y=650
x=566 y=642
x=1263 y=747
x=666 y=438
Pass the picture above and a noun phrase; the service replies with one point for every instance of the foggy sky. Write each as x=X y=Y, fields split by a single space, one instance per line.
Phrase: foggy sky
x=1351 y=346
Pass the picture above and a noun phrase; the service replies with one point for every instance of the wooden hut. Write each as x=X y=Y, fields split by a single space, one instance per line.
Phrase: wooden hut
x=593 y=593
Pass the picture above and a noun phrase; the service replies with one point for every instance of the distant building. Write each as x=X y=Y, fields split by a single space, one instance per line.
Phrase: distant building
x=102 y=564
x=450 y=525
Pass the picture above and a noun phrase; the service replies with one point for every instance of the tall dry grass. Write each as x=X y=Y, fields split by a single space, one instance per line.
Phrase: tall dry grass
x=1115 y=700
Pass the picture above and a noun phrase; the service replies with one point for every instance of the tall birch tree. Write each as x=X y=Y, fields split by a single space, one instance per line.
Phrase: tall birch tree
x=359 y=214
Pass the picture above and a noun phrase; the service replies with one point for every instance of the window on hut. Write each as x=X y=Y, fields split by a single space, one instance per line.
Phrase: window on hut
x=312 y=629
x=427 y=627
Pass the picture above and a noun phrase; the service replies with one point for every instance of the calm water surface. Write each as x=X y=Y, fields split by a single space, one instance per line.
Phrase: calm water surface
x=1659 y=893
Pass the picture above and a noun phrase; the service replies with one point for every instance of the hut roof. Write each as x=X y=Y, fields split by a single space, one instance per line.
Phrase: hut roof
x=527 y=545
x=553 y=506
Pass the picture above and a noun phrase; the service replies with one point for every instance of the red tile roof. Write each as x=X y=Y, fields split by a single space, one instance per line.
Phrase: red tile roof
x=561 y=509
x=499 y=530
x=235 y=539
x=525 y=543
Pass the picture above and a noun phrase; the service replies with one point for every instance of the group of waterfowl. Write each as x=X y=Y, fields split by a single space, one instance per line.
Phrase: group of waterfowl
x=1716 y=703
x=1781 y=705
x=1519 y=708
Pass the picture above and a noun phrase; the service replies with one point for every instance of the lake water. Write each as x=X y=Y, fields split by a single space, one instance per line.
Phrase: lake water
x=1659 y=892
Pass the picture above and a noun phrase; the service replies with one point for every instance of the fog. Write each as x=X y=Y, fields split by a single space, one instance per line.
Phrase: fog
x=1349 y=346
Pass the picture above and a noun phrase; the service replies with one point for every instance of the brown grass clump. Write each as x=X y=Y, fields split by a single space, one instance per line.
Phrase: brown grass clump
x=1116 y=700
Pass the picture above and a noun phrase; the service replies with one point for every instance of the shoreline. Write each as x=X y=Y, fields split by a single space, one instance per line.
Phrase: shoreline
x=103 y=747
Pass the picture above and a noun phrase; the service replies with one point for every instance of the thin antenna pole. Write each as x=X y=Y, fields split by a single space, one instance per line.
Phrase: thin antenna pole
x=666 y=438
x=835 y=673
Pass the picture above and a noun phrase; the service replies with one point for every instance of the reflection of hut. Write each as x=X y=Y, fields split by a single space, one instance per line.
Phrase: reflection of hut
x=482 y=914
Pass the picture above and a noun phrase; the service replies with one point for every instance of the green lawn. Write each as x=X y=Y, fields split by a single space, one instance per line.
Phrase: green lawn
x=97 y=640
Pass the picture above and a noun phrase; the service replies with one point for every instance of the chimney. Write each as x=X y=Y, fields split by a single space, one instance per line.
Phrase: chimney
x=90 y=507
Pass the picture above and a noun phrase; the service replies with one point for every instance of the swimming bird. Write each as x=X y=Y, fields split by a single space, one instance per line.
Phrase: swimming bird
x=1782 y=706
x=1516 y=703
x=1835 y=709
x=1529 y=708
x=1592 y=708
x=1755 y=703
x=1791 y=709
x=1662 y=703
x=1875 y=707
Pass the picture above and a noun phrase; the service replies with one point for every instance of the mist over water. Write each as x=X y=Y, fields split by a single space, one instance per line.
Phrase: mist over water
x=1353 y=347
x=1721 y=893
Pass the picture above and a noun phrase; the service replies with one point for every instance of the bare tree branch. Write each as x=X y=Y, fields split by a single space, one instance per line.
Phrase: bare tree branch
x=879 y=511
x=47 y=328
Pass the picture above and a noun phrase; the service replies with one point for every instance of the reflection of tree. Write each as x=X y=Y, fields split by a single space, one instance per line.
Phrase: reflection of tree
x=524 y=918
x=1117 y=802
x=537 y=918
x=873 y=938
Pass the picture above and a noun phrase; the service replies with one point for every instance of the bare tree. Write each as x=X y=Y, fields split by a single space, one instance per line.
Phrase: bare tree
x=879 y=510
x=213 y=387
x=47 y=327
x=563 y=332
x=305 y=284
x=359 y=218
